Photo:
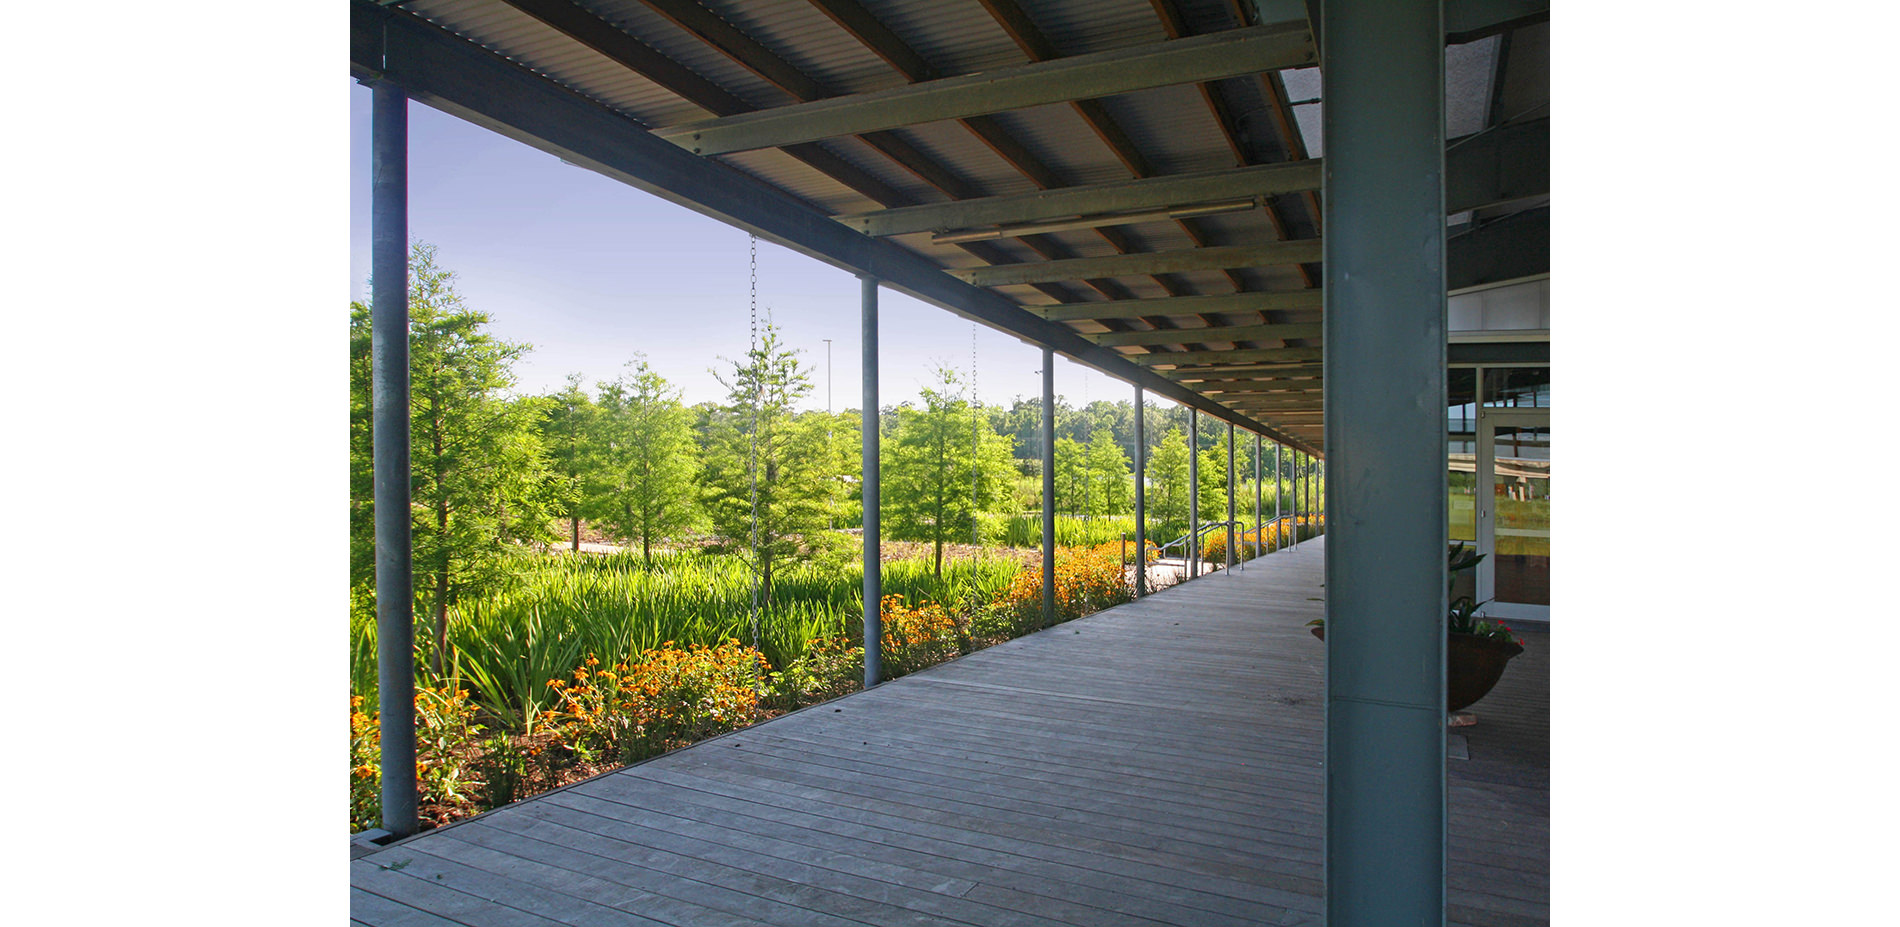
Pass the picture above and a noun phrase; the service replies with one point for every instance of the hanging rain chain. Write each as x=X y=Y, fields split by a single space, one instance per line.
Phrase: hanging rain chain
x=752 y=463
x=976 y=422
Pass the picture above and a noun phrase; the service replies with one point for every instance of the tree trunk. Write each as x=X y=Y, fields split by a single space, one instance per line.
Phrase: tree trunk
x=575 y=520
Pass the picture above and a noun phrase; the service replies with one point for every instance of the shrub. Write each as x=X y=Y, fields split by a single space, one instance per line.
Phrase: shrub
x=669 y=698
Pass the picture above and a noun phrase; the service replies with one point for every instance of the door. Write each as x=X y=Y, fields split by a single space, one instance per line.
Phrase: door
x=1513 y=512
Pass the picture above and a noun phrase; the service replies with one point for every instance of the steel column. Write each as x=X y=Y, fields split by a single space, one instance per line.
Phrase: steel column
x=1048 y=487
x=872 y=487
x=1279 y=472
x=1141 y=494
x=1384 y=230
x=1193 y=551
x=1257 y=539
x=1232 y=539
x=389 y=437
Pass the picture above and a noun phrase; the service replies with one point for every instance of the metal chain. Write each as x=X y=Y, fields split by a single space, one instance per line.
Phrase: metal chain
x=752 y=462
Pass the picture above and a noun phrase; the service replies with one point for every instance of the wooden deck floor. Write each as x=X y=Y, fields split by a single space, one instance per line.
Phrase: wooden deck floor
x=1157 y=763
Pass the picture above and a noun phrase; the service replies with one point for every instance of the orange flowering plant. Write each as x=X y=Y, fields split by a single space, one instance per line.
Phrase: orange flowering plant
x=668 y=698
x=915 y=636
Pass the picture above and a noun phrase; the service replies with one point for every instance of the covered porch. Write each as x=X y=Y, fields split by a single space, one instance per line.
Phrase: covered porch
x=1156 y=763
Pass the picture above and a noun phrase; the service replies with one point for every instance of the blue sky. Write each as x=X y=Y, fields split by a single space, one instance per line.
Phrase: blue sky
x=590 y=270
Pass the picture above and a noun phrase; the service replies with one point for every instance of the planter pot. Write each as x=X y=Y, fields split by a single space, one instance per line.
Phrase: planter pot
x=1473 y=665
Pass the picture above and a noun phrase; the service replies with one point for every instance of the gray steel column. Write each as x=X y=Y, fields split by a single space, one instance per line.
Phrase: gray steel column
x=1141 y=495
x=1384 y=230
x=1232 y=538
x=1048 y=487
x=389 y=442
x=872 y=486
x=1293 y=490
x=1257 y=539
x=1279 y=530
x=1193 y=551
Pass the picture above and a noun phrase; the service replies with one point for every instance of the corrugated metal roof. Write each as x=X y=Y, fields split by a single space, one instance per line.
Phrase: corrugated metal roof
x=1172 y=129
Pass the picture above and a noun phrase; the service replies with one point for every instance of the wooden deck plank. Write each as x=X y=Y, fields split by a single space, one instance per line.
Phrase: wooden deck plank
x=1158 y=763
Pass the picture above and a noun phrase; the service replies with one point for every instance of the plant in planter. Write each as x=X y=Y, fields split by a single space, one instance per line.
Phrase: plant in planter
x=1476 y=649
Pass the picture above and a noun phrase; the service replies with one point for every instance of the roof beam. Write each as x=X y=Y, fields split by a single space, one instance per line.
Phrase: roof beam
x=1256 y=372
x=1209 y=57
x=1158 y=262
x=1179 y=190
x=1514 y=246
x=456 y=76
x=1255 y=355
x=1219 y=333
x=1471 y=20
x=1498 y=165
x=1163 y=307
x=1495 y=166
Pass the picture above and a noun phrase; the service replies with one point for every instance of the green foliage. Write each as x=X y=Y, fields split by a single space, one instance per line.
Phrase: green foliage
x=1071 y=530
x=756 y=452
x=943 y=469
x=1213 y=484
x=509 y=644
x=479 y=474
x=645 y=479
x=1168 y=481
x=567 y=426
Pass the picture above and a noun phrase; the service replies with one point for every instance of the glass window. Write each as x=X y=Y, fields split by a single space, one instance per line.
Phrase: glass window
x=1517 y=387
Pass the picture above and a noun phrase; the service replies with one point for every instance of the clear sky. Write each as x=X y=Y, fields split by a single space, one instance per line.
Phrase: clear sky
x=590 y=270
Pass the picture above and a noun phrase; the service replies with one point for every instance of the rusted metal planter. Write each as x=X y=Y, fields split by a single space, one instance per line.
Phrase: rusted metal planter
x=1473 y=665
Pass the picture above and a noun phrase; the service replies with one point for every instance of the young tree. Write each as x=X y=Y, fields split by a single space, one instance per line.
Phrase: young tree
x=1074 y=489
x=1214 y=482
x=835 y=438
x=1168 y=481
x=1111 y=489
x=754 y=451
x=937 y=479
x=479 y=472
x=647 y=465
x=567 y=425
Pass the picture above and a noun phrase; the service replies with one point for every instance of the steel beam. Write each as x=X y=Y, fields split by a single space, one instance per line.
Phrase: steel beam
x=1498 y=165
x=389 y=452
x=1142 y=264
x=1385 y=428
x=1181 y=306
x=1255 y=355
x=1292 y=372
x=1096 y=199
x=1048 y=487
x=1220 y=55
x=1222 y=334
x=1515 y=246
x=452 y=74
x=1470 y=20
x=1141 y=494
x=872 y=484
